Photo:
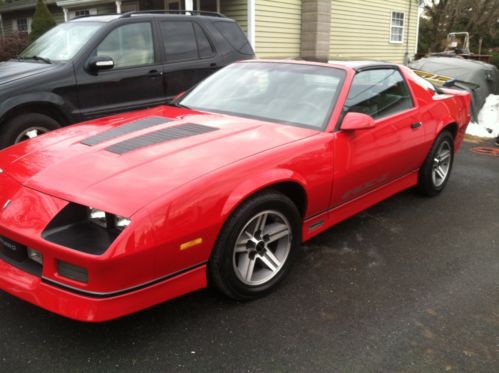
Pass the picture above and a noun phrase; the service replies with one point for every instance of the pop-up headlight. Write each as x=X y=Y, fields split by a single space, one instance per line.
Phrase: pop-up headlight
x=85 y=229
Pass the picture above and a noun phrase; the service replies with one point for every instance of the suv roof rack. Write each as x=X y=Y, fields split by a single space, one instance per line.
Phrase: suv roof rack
x=179 y=12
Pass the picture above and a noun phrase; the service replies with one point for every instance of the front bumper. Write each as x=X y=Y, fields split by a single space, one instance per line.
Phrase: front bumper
x=35 y=290
x=117 y=284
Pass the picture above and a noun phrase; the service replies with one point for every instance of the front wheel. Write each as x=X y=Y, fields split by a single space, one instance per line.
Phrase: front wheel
x=437 y=167
x=256 y=247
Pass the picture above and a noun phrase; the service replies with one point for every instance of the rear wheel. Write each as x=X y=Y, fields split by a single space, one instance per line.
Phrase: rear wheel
x=256 y=247
x=25 y=127
x=435 y=173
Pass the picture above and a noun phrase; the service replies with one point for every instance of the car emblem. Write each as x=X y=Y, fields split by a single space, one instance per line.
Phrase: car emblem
x=6 y=204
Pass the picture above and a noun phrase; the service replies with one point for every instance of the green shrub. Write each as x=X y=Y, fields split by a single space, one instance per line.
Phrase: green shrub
x=42 y=21
x=13 y=44
x=494 y=60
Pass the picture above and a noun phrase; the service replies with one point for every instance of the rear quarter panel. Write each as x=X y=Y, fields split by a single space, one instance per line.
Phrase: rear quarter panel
x=438 y=111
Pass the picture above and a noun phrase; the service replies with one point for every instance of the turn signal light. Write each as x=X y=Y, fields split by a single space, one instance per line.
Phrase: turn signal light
x=72 y=272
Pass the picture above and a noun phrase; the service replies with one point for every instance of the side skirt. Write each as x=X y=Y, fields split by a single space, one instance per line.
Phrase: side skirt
x=319 y=223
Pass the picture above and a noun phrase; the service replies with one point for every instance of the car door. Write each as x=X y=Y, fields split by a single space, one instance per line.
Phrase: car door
x=367 y=159
x=189 y=55
x=134 y=82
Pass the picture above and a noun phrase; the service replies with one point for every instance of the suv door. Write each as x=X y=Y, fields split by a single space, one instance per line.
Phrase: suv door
x=134 y=82
x=189 y=55
x=370 y=158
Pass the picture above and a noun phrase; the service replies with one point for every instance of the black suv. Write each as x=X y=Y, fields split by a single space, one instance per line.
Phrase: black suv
x=100 y=65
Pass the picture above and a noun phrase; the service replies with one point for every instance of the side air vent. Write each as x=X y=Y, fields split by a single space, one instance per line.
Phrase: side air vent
x=157 y=137
x=125 y=129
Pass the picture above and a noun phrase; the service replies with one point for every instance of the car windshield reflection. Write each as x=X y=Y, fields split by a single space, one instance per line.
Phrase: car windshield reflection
x=62 y=42
x=301 y=95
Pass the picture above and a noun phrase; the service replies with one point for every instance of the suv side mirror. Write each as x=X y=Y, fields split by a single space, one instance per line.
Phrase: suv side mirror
x=97 y=63
x=357 y=121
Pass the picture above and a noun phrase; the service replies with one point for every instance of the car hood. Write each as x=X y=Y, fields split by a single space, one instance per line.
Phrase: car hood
x=64 y=165
x=14 y=70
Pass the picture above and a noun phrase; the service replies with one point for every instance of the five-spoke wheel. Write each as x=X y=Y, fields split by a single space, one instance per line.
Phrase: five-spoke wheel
x=441 y=163
x=256 y=246
x=262 y=247
x=435 y=172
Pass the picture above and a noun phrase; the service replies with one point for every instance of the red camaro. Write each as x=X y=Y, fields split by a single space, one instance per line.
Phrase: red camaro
x=108 y=217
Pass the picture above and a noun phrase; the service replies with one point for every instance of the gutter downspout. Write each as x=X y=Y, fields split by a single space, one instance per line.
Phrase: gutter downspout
x=406 y=55
x=420 y=13
x=251 y=22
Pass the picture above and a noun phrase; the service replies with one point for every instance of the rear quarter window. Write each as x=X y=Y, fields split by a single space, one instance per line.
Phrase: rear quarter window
x=234 y=36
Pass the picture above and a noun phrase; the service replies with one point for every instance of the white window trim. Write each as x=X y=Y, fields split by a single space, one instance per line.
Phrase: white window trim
x=28 y=22
x=91 y=11
x=391 y=41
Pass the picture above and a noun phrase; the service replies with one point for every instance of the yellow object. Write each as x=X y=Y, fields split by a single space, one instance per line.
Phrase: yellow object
x=436 y=79
x=188 y=245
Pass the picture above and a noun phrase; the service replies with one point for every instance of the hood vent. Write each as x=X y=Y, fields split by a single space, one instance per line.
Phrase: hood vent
x=125 y=129
x=167 y=134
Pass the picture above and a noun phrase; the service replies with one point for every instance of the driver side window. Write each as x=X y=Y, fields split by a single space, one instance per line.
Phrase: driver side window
x=129 y=45
x=378 y=93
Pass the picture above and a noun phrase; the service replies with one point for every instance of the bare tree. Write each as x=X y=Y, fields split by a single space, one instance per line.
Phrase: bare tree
x=478 y=17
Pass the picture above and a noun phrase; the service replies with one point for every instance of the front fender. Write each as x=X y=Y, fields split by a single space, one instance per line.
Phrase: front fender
x=34 y=98
x=259 y=182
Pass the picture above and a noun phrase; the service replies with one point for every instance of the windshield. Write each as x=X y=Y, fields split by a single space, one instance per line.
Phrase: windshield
x=296 y=94
x=62 y=42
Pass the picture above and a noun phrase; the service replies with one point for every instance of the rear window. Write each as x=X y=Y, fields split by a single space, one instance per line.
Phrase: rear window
x=234 y=36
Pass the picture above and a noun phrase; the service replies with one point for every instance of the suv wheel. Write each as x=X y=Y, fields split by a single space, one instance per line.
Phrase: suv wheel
x=24 y=127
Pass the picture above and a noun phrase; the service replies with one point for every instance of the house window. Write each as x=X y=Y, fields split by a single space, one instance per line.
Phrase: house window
x=397 y=27
x=22 y=25
x=82 y=13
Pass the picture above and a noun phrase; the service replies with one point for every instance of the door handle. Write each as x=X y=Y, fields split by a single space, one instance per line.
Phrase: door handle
x=213 y=64
x=154 y=74
x=416 y=125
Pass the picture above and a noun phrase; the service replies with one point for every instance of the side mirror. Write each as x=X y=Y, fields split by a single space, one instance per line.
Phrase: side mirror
x=357 y=121
x=100 y=63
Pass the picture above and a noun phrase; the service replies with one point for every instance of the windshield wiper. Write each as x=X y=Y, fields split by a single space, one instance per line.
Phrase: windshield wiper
x=36 y=58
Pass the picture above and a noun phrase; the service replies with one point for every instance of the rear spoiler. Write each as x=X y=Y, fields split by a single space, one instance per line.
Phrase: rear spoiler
x=442 y=81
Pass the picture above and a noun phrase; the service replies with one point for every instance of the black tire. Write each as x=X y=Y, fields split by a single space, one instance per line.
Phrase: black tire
x=221 y=267
x=427 y=185
x=11 y=130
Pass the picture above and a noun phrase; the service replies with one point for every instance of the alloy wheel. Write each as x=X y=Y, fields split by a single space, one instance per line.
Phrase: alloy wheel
x=262 y=247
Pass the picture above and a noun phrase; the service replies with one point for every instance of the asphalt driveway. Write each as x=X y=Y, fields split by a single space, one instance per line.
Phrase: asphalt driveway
x=410 y=285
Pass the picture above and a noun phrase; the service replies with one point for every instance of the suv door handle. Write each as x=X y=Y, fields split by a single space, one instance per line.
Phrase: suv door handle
x=154 y=74
x=416 y=125
x=213 y=64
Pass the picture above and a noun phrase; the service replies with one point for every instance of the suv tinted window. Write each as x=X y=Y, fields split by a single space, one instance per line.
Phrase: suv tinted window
x=233 y=34
x=129 y=45
x=378 y=93
x=204 y=46
x=179 y=41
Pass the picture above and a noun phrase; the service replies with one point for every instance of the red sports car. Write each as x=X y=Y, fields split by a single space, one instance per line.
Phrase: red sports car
x=111 y=216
